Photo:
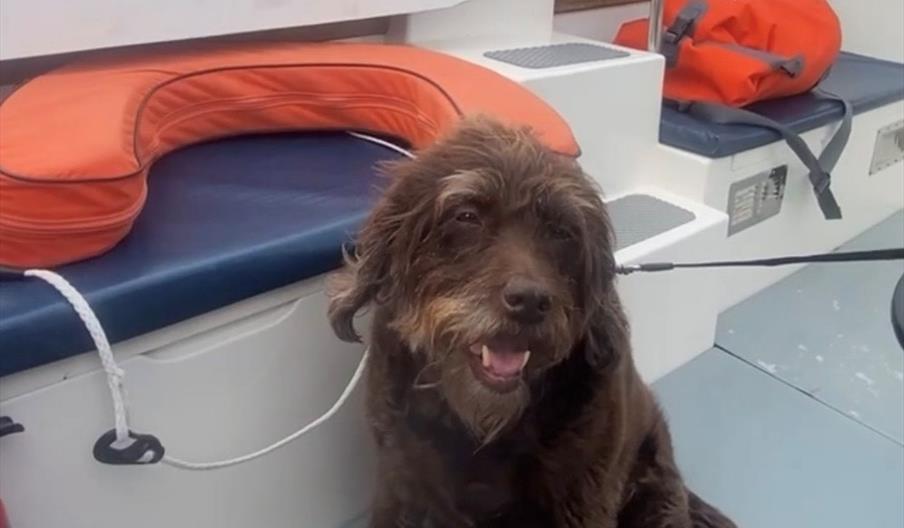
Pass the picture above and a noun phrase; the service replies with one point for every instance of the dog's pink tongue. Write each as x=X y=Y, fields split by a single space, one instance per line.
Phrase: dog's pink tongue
x=505 y=363
x=504 y=360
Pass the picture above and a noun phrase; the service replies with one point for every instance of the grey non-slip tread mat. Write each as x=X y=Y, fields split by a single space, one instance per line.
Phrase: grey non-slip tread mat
x=638 y=217
x=553 y=55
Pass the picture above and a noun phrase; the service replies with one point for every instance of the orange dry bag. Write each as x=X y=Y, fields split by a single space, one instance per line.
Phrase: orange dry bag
x=722 y=55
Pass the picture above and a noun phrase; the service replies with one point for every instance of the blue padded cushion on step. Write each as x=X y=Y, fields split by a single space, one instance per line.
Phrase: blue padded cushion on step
x=224 y=221
x=866 y=82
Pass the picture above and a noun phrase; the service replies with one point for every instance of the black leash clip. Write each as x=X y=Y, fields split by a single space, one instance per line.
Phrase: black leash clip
x=144 y=449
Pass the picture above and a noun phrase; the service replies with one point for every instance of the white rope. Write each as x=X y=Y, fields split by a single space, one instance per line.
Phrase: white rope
x=353 y=382
x=117 y=391
x=114 y=373
x=383 y=142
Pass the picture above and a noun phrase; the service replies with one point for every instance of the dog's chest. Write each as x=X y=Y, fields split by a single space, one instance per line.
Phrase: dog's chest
x=494 y=485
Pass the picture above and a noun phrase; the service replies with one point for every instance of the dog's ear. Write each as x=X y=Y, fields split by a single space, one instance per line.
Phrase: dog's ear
x=385 y=247
x=366 y=270
x=607 y=331
x=348 y=292
x=607 y=336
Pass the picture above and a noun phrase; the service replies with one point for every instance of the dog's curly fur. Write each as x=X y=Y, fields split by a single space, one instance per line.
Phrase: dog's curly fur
x=580 y=441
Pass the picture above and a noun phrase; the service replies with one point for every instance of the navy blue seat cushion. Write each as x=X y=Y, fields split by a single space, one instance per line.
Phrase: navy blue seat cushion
x=224 y=221
x=866 y=82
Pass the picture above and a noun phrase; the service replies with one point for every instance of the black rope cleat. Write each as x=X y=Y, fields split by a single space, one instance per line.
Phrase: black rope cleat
x=8 y=426
x=144 y=449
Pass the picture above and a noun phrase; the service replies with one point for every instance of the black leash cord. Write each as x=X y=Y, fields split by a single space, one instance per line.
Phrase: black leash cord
x=850 y=256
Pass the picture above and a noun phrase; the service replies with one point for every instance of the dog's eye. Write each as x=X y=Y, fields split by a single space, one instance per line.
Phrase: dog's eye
x=467 y=216
x=558 y=232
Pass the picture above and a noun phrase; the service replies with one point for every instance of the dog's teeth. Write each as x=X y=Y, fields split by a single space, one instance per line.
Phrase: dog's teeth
x=526 y=359
x=485 y=355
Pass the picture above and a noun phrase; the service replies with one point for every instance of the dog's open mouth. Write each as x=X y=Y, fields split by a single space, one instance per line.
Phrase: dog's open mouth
x=499 y=361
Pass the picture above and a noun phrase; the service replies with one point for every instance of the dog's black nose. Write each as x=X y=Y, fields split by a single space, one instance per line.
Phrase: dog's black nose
x=526 y=300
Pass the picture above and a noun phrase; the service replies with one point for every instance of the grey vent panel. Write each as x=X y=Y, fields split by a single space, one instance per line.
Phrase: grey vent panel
x=554 y=55
x=638 y=217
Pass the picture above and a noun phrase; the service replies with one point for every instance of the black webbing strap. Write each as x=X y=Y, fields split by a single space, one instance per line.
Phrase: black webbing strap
x=820 y=169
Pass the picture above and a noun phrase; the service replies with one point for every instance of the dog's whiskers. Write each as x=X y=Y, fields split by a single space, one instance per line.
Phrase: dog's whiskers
x=425 y=386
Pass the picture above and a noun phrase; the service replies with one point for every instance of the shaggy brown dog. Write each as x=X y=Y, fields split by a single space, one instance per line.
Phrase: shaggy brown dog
x=501 y=390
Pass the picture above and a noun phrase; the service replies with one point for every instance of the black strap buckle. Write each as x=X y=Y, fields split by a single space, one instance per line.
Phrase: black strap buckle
x=681 y=27
x=822 y=183
x=678 y=30
x=144 y=449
